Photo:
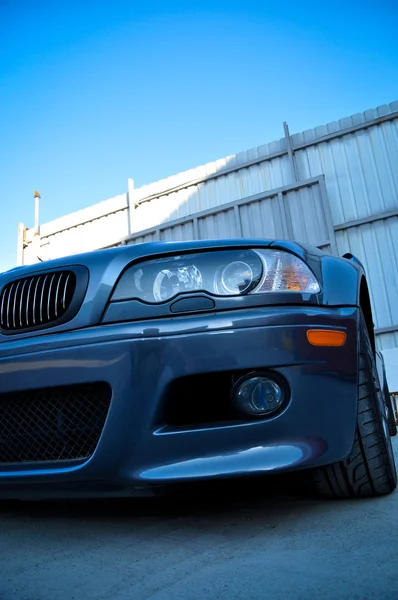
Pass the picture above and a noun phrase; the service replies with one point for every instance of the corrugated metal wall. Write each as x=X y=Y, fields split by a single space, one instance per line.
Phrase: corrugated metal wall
x=360 y=170
x=349 y=203
x=104 y=224
x=278 y=213
x=211 y=192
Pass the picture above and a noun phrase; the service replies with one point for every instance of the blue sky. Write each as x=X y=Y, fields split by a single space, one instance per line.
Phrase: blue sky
x=94 y=92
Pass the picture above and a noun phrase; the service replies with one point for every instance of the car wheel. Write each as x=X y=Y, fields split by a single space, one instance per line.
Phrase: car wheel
x=370 y=468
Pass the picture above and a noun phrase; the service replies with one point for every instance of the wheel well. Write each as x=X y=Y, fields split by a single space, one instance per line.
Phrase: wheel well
x=364 y=302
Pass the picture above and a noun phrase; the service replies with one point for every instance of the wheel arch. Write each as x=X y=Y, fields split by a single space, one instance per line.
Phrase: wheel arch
x=364 y=298
x=366 y=307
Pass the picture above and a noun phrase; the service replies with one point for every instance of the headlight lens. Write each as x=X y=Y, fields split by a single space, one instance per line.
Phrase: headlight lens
x=170 y=282
x=234 y=279
x=220 y=273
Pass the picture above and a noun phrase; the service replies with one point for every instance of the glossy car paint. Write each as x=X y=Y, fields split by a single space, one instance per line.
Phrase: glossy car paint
x=140 y=357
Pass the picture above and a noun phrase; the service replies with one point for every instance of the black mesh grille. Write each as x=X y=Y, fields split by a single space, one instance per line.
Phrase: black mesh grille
x=62 y=423
x=37 y=300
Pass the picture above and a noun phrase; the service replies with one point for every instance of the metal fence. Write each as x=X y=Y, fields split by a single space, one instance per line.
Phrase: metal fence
x=280 y=213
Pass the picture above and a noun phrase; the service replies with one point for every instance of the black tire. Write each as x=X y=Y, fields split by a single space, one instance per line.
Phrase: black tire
x=370 y=469
x=392 y=425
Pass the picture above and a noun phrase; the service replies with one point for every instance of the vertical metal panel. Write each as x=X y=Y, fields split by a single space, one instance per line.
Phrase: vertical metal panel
x=361 y=171
x=144 y=239
x=238 y=221
x=180 y=233
x=218 y=226
x=292 y=159
x=390 y=353
x=262 y=219
x=387 y=341
x=307 y=215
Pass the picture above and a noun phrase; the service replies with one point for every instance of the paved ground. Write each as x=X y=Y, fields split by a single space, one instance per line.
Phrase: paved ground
x=281 y=546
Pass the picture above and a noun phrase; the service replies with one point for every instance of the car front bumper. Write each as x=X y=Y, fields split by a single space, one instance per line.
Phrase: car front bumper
x=139 y=361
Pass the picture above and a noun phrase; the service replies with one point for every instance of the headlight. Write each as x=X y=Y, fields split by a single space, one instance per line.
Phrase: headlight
x=219 y=273
x=170 y=282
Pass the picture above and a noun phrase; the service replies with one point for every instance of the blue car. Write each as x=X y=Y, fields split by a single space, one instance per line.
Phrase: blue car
x=126 y=371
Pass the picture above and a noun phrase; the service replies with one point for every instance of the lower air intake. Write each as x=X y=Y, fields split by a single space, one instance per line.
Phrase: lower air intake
x=52 y=424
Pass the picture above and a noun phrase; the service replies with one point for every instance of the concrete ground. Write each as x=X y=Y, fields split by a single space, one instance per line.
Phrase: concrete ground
x=280 y=546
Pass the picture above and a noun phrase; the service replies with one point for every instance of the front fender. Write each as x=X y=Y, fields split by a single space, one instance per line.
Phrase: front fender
x=341 y=279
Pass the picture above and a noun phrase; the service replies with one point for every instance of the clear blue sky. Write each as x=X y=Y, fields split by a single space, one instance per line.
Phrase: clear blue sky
x=94 y=92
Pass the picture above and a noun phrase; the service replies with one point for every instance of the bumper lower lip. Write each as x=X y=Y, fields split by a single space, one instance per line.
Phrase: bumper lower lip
x=268 y=458
x=133 y=453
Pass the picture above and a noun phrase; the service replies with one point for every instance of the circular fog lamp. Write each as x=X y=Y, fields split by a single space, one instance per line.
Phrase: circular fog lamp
x=258 y=396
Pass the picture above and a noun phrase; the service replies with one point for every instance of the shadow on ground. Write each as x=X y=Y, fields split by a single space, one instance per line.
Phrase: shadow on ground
x=213 y=498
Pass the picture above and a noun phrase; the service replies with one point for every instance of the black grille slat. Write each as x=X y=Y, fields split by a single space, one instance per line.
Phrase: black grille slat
x=57 y=295
x=49 y=300
x=52 y=424
x=8 y=304
x=22 y=303
x=29 y=323
x=40 y=299
x=37 y=300
x=35 y=303
x=65 y=292
x=14 y=306
x=3 y=303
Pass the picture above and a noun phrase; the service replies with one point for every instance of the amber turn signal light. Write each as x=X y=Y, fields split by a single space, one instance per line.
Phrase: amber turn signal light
x=326 y=337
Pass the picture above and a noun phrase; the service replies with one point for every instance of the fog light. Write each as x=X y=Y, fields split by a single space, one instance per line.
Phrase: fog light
x=258 y=396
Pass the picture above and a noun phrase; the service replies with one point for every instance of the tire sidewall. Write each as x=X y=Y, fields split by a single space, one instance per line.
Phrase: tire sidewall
x=378 y=399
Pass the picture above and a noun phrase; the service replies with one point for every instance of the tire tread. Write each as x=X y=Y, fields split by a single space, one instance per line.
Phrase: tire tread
x=370 y=469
